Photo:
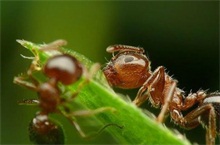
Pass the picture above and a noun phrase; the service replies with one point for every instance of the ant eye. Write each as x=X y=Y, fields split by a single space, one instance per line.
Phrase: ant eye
x=44 y=131
x=65 y=68
x=128 y=59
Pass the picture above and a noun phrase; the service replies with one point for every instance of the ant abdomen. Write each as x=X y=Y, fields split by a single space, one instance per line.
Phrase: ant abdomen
x=43 y=130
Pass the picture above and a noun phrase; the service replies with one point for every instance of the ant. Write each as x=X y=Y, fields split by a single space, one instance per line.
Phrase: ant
x=130 y=68
x=59 y=69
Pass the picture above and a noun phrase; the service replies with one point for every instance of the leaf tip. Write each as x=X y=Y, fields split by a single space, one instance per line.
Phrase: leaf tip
x=20 y=41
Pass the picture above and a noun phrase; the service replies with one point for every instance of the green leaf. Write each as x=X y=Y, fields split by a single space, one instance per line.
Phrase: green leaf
x=138 y=128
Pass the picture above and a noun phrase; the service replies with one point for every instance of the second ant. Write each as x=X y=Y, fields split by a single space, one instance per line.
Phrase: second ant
x=130 y=68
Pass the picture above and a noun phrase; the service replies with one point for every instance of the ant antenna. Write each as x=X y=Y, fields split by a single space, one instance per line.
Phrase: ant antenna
x=28 y=102
x=95 y=134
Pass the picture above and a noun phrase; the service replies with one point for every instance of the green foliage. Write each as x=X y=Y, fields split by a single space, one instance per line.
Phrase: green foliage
x=138 y=128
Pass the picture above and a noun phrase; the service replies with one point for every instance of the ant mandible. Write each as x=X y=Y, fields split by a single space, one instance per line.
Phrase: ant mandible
x=130 y=68
x=64 y=69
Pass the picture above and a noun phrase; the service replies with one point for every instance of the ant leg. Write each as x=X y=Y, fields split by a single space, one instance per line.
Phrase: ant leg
x=78 y=128
x=72 y=120
x=28 y=85
x=34 y=83
x=20 y=81
x=154 y=86
x=164 y=110
x=85 y=113
x=196 y=117
x=192 y=99
x=211 y=130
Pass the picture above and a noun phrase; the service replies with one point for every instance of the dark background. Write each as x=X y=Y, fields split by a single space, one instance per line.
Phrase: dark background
x=182 y=36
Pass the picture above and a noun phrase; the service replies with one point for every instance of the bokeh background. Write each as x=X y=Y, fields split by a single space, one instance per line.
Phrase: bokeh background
x=183 y=36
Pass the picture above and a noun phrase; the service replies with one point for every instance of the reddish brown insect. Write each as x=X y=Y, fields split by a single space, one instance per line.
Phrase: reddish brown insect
x=64 y=69
x=130 y=68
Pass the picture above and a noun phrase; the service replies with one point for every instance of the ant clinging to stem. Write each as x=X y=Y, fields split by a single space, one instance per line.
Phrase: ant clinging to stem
x=66 y=70
x=130 y=68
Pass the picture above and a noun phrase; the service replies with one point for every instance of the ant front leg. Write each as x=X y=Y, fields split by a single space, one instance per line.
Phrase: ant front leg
x=160 y=88
x=155 y=86
x=33 y=83
x=21 y=81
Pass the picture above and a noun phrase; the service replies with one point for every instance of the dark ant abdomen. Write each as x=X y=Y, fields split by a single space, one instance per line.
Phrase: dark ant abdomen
x=214 y=99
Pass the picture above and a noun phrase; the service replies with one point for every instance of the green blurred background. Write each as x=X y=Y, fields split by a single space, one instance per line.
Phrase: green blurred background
x=182 y=36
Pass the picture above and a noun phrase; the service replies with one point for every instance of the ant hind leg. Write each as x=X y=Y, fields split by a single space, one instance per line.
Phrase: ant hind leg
x=205 y=115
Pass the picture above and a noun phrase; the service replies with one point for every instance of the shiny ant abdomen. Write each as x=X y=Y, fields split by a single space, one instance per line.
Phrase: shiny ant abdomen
x=130 y=68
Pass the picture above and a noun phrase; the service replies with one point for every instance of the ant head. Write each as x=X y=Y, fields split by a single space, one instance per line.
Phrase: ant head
x=128 y=69
x=44 y=131
x=64 y=68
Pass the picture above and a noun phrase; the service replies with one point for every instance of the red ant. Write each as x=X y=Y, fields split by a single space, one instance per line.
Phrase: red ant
x=64 y=69
x=130 y=68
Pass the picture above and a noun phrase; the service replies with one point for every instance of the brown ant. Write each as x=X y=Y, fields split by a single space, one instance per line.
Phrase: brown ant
x=130 y=68
x=64 y=69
